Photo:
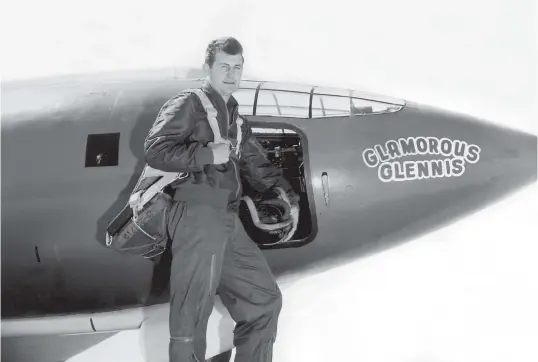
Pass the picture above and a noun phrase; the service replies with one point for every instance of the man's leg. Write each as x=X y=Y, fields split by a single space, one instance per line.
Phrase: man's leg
x=199 y=236
x=249 y=291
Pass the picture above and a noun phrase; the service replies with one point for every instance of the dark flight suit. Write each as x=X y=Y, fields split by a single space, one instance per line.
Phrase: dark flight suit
x=211 y=252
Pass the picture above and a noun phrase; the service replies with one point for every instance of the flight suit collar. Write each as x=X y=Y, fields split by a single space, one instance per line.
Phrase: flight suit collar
x=232 y=102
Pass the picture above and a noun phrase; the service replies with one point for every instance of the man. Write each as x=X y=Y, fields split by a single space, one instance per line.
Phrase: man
x=211 y=252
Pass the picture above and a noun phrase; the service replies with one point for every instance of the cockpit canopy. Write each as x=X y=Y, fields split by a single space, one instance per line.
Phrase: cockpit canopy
x=302 y=101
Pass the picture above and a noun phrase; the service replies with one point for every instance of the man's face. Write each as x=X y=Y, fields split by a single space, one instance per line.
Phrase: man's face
x=225 y=74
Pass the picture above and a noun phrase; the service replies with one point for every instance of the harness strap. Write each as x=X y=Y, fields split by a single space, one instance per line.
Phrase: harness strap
x=211 y=114
x=212 y=118
x=139 y=199
x=239 y=135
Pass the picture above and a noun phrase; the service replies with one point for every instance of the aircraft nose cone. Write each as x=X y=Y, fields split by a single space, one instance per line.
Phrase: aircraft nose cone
x=507 y=158
x=523 y=154
x=510 y=156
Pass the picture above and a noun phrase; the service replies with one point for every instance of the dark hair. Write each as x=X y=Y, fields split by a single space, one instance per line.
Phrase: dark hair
x=228 y=45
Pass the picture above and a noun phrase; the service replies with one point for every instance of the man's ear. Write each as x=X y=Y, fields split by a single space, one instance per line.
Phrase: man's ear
x=206 y=68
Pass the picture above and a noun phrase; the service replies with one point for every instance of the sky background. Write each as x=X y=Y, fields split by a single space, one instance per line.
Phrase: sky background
x=464 y=293
x=478 y=57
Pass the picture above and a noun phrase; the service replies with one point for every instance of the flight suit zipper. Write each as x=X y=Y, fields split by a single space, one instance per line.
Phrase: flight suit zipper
x=236 y=171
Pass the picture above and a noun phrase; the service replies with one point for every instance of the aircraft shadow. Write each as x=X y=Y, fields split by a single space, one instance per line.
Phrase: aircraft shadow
x=159 y=291
x=142 y=126
x=49 y=348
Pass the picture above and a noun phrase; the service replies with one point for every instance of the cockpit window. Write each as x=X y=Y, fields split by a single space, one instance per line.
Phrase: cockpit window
x=365 y=106
x=282 y=103
x=330 y=106
x=245 y=98
x=308 y=102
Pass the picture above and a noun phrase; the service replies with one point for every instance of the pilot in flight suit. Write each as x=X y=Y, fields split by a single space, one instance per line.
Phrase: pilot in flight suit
x=211 y=252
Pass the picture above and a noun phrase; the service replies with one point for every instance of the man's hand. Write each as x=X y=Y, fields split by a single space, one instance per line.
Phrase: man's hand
x=221 y=151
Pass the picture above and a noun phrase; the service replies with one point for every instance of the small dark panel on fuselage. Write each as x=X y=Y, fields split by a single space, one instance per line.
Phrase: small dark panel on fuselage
x=102 y=149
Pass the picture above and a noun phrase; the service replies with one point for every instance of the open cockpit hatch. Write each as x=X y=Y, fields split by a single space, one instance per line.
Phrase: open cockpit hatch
x=286 y=151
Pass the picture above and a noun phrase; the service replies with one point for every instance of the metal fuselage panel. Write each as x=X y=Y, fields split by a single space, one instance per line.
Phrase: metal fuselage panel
x=365 y=213
x=55 y=210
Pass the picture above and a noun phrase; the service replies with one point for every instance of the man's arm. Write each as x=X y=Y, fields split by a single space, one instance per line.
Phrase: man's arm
x=167 y=147
x=258 y=171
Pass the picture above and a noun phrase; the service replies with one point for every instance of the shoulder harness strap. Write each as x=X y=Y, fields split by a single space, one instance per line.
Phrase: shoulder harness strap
x=212 y=118
x=211 y=113
x=141 y=198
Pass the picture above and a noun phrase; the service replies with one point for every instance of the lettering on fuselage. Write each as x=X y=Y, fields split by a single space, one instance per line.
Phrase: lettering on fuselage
x=452 y=156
